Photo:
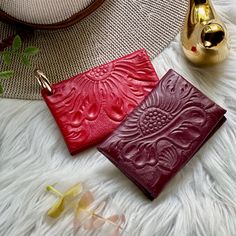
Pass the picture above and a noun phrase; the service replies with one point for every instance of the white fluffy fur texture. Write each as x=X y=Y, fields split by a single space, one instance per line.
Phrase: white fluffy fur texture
x=199 y=201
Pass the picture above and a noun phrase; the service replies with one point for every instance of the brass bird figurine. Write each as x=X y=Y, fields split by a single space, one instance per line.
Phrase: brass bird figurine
x=204 y=37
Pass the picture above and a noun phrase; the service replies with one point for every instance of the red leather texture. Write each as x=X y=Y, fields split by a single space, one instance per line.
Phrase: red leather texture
x=163 y=133
x=89 y=106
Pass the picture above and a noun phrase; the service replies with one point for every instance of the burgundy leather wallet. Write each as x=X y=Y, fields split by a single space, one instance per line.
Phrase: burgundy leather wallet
x=89 y=106
x=163 y=133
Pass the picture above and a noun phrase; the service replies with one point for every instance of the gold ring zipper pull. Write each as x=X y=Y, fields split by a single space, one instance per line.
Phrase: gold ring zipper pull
x=43 y=80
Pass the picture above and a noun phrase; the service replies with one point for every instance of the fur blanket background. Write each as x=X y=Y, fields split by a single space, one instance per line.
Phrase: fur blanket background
x=200 y=200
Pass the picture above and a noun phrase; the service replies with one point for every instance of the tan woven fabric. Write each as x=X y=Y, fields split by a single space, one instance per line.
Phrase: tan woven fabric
x=118 y=27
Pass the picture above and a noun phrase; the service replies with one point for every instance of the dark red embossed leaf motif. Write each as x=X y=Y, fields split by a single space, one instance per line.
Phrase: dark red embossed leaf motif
x=89 y=106
x=163 y=133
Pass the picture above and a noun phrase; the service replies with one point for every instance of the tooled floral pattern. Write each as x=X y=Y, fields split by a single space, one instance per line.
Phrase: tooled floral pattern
x=101 y=72
x=114 y=89
x=153 y=119
x=165 y=126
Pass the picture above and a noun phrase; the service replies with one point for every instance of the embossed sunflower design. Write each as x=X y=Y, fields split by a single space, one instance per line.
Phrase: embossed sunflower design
x=166 y=124
x=105 y=94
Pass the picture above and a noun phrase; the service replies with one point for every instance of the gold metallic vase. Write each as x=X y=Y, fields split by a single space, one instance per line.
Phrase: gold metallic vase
x=204 y=37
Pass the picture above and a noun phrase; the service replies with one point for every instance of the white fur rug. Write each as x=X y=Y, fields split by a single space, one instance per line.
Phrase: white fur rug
x=201 y=199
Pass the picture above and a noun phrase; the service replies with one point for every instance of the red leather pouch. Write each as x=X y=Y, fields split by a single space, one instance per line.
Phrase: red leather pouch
x=89 y=106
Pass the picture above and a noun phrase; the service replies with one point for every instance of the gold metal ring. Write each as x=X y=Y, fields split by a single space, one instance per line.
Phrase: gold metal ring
x=42 y=80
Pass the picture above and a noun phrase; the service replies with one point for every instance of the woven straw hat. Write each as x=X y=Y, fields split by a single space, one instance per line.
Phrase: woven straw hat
x=88 y=33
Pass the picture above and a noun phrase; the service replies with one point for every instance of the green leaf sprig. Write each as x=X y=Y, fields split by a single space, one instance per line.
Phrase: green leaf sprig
x=16 y=51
